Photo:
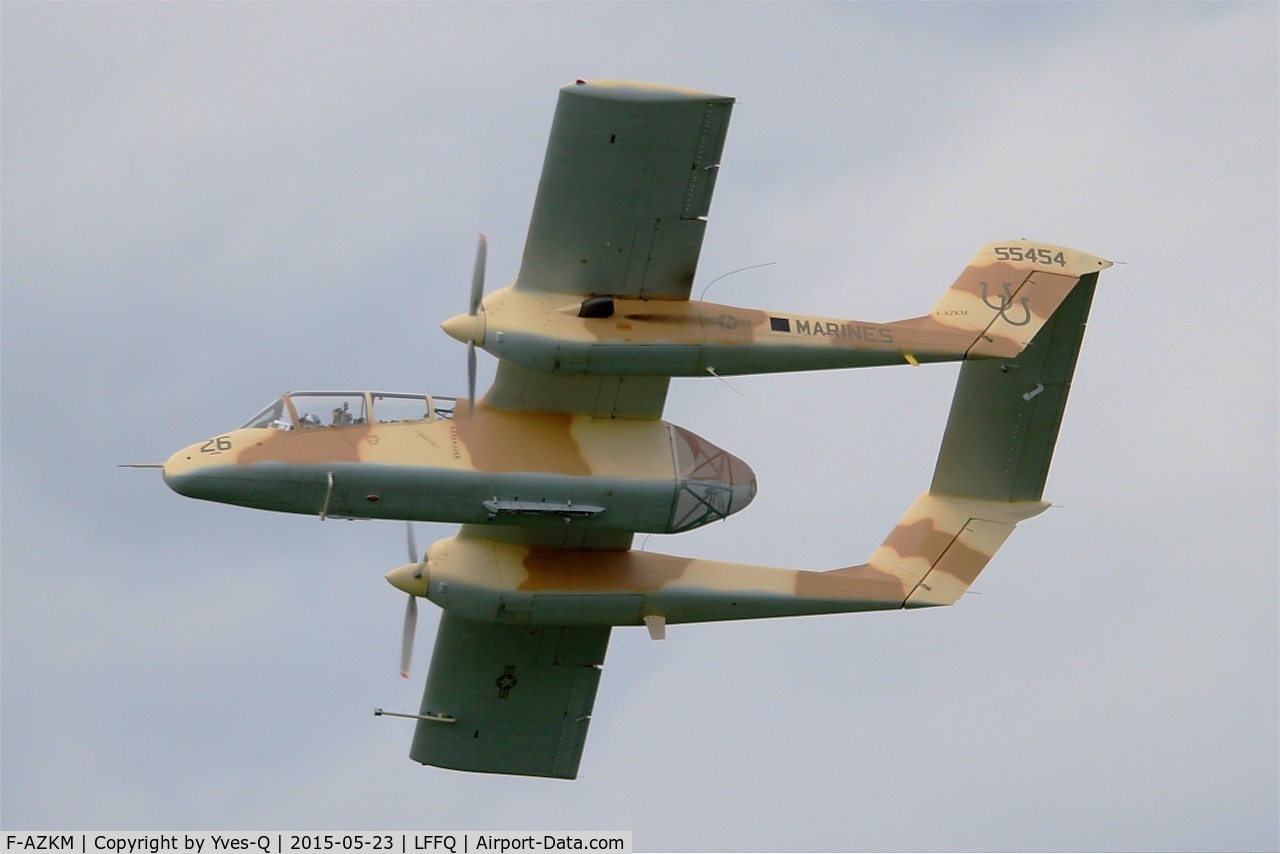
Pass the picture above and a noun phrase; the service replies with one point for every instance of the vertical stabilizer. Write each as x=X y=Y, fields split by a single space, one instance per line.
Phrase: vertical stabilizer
x=1009 y=292
x=1005 y=414
x=993 y=462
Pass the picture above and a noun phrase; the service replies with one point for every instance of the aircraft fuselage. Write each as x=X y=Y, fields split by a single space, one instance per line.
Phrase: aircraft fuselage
x=483 y=467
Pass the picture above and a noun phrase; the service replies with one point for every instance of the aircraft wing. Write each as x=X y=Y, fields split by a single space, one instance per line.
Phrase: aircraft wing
x=627 y=180
x=625 y=187
x=509 y=699
x=626 y=184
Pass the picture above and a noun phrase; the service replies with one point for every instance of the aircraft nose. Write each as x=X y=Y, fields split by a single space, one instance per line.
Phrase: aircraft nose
x=179 y=468
x=196 y=472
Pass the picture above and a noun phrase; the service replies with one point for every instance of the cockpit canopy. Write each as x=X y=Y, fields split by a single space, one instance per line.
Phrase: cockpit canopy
x=303 y=410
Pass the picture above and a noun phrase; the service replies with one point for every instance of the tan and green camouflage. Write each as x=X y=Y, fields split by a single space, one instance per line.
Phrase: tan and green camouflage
x=567 y=457
x=994 y=309
x=543 y=470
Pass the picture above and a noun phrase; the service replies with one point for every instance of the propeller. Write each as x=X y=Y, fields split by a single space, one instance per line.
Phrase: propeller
x=410 y=627
x=477 y=292
x=469 y=327
x=477 y=276
x=415 y=568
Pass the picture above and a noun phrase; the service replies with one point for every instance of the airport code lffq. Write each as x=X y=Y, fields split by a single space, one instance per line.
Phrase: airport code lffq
x=280 y=842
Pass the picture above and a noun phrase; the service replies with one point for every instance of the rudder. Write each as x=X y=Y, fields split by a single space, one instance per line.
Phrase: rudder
x=1005 y=415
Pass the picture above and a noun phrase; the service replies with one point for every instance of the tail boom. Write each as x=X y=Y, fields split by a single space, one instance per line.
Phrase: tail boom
x=993 y=310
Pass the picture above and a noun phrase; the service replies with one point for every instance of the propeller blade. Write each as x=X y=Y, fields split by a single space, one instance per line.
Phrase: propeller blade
x=414 y=555
x=477 y=276
x=410 y=627
x=471 y=373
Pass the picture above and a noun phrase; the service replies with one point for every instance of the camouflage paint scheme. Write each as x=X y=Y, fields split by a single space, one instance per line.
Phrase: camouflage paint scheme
x=567 y=457
x=993 y=310
x=636 y=474
x=930 y=558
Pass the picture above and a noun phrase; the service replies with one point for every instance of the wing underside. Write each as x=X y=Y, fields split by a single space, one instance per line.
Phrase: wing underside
x=509 y=699
x=625 y=187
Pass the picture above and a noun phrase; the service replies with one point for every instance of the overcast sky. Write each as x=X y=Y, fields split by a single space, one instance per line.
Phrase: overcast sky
x=205 y=205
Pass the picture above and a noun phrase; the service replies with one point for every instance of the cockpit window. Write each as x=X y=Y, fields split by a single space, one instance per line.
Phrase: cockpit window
x=310 y=409
x=442 y=407
x=401 y=407
x=274 y=417
x=326 y=409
